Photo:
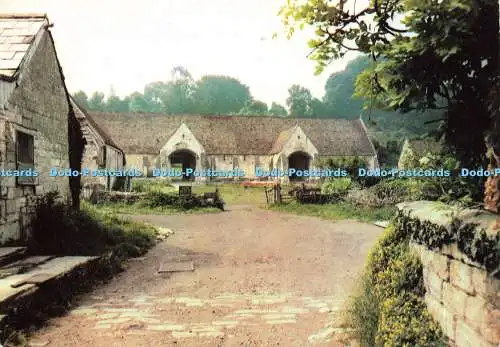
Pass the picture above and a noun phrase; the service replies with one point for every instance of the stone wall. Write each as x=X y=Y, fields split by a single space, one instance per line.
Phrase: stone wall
x=38 y=106
x=460 y=294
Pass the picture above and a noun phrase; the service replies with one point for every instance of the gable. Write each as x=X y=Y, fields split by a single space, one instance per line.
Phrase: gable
x=294 y=141
x=182 y=138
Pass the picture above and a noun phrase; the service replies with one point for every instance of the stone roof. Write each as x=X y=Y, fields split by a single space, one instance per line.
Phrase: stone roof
x=281 y=140
x=147 y=133
x=424 y=146
x=17 y=33
x=81 y=114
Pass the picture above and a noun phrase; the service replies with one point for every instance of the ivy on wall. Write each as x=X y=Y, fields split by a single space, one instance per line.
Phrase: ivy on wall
x=472 y=241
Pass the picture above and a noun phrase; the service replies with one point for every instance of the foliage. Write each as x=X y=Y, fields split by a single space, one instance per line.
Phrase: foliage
x=277 y=110
x=472 y=241
x=349 y=163
x=85 y=232
x=299 y=101
x=387 y=153
x=220 y=95
x=388 y=308
x=405 y=321
x=464 y=190
x=342 y=101
x=385 y=192
x=337 y=186
x=254 y=107
x=442 y=55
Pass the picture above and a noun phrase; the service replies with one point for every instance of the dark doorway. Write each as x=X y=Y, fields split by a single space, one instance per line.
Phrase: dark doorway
x=300 y=162
x=184 y=159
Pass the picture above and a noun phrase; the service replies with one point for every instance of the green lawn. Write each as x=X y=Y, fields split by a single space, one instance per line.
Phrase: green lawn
x=124 y=208
x=338 y=211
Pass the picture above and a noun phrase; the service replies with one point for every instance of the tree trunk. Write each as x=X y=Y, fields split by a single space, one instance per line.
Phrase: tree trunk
x=492 y=188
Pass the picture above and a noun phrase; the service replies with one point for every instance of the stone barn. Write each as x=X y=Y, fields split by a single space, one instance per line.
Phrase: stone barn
x=100 y=151
x=38 y=129
x=227 y=142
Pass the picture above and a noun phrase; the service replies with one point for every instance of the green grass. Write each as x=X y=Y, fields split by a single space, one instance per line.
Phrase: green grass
x=137 y=208
x=337 y=211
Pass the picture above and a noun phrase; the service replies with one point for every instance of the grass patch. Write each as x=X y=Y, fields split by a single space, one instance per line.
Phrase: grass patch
x=141 y=208
x=338 y=211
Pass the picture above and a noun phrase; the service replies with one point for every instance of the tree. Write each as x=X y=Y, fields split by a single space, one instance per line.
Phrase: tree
x=254 y=108
x=154 y=94
x=220 y=94
x=318 y=108
x=299 y=101
x=441 y=49
x=82 y=99
x=96 y=102
x=138 y=103
x=114 y=103
x=278 y=110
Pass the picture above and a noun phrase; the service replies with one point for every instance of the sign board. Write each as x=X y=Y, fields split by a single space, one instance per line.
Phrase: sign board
x=185 y=190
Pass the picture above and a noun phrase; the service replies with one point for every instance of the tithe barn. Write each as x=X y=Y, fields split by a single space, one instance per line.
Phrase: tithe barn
x=205 y=142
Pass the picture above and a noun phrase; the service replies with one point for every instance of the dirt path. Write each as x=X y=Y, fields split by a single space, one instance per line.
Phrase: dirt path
x=262 y=278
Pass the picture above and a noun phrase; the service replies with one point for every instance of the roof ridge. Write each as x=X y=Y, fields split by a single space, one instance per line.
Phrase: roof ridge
x=22 y=15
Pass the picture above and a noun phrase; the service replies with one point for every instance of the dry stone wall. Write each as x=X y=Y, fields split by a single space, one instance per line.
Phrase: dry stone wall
x=460 y=294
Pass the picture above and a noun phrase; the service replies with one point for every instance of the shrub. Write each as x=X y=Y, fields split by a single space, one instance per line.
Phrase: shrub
x=60 y=230
x=337 y=186
x=386 y=192
x=404 y=321
x=388 y=308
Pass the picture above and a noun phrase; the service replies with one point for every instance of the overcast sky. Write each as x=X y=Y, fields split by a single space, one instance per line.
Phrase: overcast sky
x=125 y=44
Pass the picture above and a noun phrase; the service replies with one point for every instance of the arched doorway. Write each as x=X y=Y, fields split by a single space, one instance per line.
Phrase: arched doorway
x=183 y=159
x=299 y=161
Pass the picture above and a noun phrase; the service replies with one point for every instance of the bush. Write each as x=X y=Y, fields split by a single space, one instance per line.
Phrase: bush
x=60 y=230
x=404 y=321
x=337 y=186
x=386 y=192
x=388 y=308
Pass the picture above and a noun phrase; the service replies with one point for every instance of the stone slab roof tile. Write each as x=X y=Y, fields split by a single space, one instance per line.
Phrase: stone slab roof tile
x=17 y=32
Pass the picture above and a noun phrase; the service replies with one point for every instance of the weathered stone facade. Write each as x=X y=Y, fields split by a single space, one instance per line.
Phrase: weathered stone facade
x=100 y=151
x=460 y=294
x=36 y=107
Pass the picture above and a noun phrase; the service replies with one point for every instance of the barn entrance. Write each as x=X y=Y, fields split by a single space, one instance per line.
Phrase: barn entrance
x=299 y=161
x=183 y=159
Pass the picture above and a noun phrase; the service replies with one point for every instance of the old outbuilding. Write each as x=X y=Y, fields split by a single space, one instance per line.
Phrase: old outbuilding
x=38 y=129
x=100 y=152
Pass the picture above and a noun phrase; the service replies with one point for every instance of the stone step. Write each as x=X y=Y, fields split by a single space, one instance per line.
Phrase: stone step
x=11 y=254
x=15 y=285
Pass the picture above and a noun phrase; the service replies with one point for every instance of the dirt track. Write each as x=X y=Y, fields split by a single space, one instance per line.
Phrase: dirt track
x=262 y=278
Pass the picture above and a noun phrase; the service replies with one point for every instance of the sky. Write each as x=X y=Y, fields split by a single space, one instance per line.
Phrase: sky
x=123 y=45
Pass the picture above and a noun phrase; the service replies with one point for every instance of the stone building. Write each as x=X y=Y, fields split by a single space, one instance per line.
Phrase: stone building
x=100 y=151
x=37 y=125
x=229 y=142
x=414 y=150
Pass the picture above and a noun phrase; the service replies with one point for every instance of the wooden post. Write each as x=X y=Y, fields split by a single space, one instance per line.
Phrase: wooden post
x=278 y=193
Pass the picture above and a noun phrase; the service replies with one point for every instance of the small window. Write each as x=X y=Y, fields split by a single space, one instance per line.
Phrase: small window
x=25 y=156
